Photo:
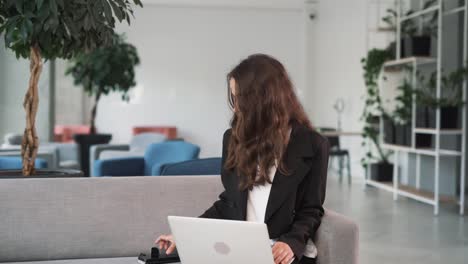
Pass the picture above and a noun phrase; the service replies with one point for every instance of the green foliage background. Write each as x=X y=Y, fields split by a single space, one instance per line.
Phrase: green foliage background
x=106 y=69
x=61 y=28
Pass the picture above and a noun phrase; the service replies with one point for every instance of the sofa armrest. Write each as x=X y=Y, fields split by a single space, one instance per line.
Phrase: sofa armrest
x=132 y=166
x=156 y=169
x=337 y=240
x=116 y=154
x=66 y=151
x=96 y=150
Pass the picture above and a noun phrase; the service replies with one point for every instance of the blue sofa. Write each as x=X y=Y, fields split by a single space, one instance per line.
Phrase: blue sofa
x=208 y=166
x=16 y=163
x=151 y=163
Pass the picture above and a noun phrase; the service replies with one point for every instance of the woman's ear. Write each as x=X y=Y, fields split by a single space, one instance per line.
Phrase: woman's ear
x=233 y=86
x=233 y=91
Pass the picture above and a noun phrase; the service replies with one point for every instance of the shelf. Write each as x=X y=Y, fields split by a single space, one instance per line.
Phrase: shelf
x=397 y=64
x=420 y=13
x=455 y=11
x=422 y=151
x=384 y=29
x=411 y=192
x=394 y=70
x=340 y=133
x=433 y=131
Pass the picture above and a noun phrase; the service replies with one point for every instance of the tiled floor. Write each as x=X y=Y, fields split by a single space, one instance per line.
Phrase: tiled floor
x=402 y=232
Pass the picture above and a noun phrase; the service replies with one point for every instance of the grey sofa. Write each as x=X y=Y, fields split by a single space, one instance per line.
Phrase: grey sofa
x=112 y=220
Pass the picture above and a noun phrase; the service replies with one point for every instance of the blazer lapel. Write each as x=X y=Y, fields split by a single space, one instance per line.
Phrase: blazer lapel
x=283 y=185
x=243 y=195
x=241 y=198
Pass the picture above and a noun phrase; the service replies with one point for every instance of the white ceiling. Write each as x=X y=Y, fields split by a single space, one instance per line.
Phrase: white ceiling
x=283 y=4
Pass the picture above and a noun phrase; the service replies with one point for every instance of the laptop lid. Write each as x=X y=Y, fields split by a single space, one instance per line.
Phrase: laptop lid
x=214 y=241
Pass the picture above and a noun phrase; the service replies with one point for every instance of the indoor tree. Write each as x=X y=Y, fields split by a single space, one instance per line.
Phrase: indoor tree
x=48 y=29
x=105 y=70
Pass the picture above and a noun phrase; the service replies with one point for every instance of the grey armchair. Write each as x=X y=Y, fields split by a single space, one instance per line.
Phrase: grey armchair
x=57 y=154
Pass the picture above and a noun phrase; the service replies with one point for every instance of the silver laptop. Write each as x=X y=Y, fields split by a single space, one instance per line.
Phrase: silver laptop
x=212 y=241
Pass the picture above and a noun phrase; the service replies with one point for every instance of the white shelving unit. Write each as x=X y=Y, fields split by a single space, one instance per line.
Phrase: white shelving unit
x=437 y=153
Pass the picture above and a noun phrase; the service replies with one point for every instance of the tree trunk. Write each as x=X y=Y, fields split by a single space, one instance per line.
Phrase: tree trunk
x=94 y=113
x=30 y=141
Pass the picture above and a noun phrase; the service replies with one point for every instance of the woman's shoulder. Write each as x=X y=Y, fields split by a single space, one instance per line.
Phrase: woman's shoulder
x=227 y=133
x=308 y=133
x=226 y=138
x=309 y=138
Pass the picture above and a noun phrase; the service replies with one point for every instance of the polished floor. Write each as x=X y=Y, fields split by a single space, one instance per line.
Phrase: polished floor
x=400 y=232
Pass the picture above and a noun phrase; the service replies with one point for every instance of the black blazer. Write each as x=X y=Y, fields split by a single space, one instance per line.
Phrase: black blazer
x=294 y=208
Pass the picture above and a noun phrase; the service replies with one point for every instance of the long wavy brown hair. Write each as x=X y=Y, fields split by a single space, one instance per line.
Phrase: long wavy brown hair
x=265 y=109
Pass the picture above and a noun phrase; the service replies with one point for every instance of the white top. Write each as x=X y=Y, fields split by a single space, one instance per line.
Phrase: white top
x=256 y=207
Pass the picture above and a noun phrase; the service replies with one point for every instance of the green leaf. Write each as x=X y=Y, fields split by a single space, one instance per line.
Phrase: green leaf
x=39 y=4
x=120 y=2
x=53 y=7
x=28 y=25
x=60 y=3
x=24 y=33
x=117 y=11
x=107 y=10
x=128 y=19
x=19 y=6
x=87 y=22
x=138 y=2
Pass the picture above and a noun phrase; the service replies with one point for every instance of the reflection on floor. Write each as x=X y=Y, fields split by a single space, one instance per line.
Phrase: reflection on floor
x=400 y=232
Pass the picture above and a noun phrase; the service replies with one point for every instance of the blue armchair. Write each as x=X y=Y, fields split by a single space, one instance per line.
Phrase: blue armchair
x=16 y=163
x=209 y=166
x=151 y=163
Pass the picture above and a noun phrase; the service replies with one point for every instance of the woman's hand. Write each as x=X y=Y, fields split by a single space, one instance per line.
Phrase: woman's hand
x=167 y=243
x=282 y=253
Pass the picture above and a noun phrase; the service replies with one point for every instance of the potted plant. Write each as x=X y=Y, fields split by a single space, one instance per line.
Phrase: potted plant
x=402 y=113
x=402 y=118
x=415 y=41
x=449 y=103
x=100 y=72
x=389 y=134
x=380 y=167
x=48 y=29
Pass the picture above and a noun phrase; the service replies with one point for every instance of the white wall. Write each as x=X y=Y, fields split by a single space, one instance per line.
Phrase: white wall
x=337 y=42
x=188 y=46
x=72 y=104
x=230 y=3
x=14 y=80
x=186 y=52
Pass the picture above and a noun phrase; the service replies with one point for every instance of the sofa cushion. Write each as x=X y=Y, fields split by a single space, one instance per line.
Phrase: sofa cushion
x=16 y=163
x=47 y=219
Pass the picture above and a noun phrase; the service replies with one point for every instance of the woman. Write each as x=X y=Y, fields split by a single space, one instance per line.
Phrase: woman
x=274 y=165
